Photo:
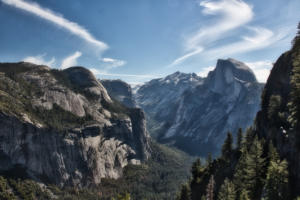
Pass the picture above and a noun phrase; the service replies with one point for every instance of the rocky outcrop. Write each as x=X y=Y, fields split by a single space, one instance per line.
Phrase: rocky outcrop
x=62 y=126
x=275 y=127
x=195 y=113
x=120 y=91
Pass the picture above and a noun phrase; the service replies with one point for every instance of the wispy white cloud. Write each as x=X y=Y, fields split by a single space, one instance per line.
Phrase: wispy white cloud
x=57 y=19
x=230 y=14
x=40 y=60
x=261 y=69
x=71 y=60
x=104 y=73
x=110 y=63
x=204 y=71
x=260 y=38
x=186 y=56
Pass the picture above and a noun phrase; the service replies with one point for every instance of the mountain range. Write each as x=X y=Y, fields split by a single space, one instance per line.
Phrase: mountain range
x=195 y=113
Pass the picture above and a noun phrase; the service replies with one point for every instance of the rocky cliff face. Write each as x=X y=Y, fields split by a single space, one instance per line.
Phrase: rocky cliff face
x=195 y=113
x=272 y=120
x=61 y=126
x=120 y=91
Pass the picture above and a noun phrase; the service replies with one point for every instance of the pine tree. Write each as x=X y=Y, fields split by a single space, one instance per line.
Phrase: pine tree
x=227 y=147
x=196 y=170
x=255 y=169
x=210 y=188
x=185 y=193
x=249 y=137
x=240 y=174
x=239 y=139
x=277 y=180
x=273 y=154
x=244 y=195
x=227 y=191
x=250 y=170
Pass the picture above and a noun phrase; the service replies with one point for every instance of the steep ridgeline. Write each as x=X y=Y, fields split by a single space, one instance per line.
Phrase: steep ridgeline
x=279 y=119
x=195 y=113
x=120 y=91
x=63 y=128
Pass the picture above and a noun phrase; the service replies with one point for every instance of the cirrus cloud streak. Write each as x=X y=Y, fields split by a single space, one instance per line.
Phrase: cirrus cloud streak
x=58 y=20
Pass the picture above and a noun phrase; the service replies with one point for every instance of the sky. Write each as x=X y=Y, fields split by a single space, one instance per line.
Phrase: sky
x=139 y=40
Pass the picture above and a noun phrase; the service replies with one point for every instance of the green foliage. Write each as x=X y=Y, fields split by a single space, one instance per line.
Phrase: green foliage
x=157 y=179
x=254 y=170
x=227 y=191
x=274 y=109
x=277 y=180
x=59 y=118
x=273 y=154
x=63 y=79
x=248 y=139
x=5 y=194
x=239 y=139
x=185 y=193
x=197 y=170
x=21 y=189
x=125 y=196
x=227 y=147
x=244 y=195
x=15 y=98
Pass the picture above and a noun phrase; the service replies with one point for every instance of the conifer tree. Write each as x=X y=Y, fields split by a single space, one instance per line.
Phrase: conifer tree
x=239 y=139
x=240 y=174
x=227 y=147
x=244 y=195
x=227 y=191
x=250 y=170
x=273 y=154
x=185 y=193
x=255 y=169
x=196 y=170
x=249 y=137
x=277 y=180
x=210 y=188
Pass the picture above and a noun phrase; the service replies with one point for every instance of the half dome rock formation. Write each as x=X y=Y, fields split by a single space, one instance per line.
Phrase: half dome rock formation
x=195 y=113
x=62 y=127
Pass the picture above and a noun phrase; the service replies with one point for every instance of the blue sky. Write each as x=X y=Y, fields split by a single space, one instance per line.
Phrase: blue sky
x=138 y=40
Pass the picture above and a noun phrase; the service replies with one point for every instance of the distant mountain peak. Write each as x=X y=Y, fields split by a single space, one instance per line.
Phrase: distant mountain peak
x=238 y=70
x=181 y=77
x=228 y=72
